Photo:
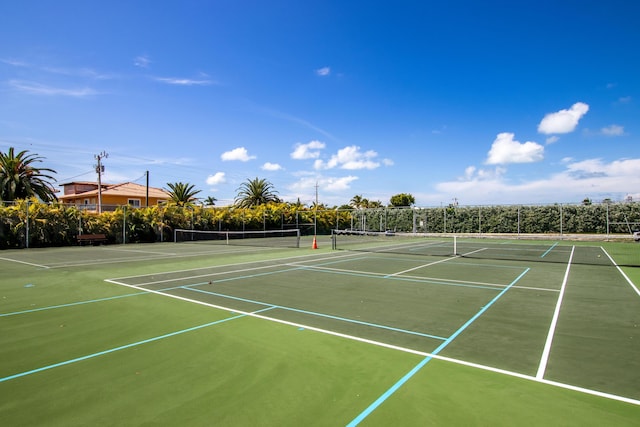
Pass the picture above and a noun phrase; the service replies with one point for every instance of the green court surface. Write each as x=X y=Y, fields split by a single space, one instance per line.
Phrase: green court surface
x=396 y=333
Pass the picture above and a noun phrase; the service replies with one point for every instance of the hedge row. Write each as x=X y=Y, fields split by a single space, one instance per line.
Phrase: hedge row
x=33 y=224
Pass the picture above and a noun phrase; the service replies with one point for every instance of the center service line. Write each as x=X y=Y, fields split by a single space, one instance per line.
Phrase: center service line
x=554 y=321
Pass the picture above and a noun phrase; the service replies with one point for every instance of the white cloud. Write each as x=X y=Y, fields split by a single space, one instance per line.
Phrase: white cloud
x=239 y=153
x=552 y=139
x=142 y=61
x=613 y=130
x=339 y=184
x=324 y=71
x=216 y=178
x=331 y=185
x=14 y=62
x=624 y=100
x=592 y=178
x=505 y=150
x=563 y=121
x=40 y=89
x=350 y=158
x=79 y=72
x=271 y=167
x=472 y=173
x=183 y=81
x=596 y=168
x=307 y=151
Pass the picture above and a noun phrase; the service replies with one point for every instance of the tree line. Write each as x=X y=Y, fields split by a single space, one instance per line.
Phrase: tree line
x=34 y=218
x=32 y=223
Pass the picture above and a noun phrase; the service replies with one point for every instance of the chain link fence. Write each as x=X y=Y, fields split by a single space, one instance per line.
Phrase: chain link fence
x=28 y=223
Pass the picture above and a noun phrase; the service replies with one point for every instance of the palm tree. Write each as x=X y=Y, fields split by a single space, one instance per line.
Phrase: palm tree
x=210 y=201
x=182 y=194
x=19 y=179
x=359 y=202
x=255 y=192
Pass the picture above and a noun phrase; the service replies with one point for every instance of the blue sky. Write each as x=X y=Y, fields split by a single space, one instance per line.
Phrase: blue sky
x=493 y=102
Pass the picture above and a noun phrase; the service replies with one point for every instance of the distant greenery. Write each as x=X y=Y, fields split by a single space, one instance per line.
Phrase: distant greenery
x=256 y=192
x=210 y=201
x=182 y=194
x=359 y=202
x=402 y=200
x=20 y=178
x=56 y=224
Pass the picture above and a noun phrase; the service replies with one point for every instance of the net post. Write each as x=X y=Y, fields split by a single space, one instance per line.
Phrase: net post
x=455 y=245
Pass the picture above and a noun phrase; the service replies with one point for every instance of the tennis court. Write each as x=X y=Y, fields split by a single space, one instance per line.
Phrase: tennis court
x=365 y=330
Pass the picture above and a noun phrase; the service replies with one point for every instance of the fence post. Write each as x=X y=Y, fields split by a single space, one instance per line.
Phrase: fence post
x=444 y=210
x=124 y=224
x=27 y=227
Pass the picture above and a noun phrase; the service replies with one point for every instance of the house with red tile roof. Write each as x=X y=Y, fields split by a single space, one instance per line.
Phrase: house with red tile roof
x=86 y=195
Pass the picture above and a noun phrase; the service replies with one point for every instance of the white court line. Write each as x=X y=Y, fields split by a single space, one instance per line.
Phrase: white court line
x=139 y=251
x=23 y=262
x=621 y=272
x=278 y=261
x=431 y=263
x=416 y=278
x=393 y=347
x=554 y=321
x=150 y=258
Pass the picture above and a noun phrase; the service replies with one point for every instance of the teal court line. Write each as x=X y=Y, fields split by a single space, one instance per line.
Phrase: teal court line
x=123 y=347
x=328 y=316
x=371 y=275
x=364 y=414
x=71 y=304
x=400 y=278
x=549 y=250
x=453 y=261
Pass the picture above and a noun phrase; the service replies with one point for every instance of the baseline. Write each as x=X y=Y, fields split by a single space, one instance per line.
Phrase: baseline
x=398 y=348
x=24 y=262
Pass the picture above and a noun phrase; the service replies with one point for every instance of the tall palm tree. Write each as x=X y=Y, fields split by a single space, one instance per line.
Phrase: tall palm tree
x=359 y=202
x=20 y=179
x=210 y=201
x=255 y=192
x=182 y=194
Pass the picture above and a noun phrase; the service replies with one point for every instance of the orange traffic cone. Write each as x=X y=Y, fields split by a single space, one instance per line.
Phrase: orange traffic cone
x=315 y=244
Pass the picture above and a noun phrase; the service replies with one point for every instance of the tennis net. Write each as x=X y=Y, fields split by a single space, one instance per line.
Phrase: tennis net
x=484 y=247
x=266 y=238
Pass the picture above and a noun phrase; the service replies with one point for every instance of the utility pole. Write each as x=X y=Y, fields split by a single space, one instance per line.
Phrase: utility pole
x=315 y=216
x=315 y=221
x=100 y=171
x=147 y=202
